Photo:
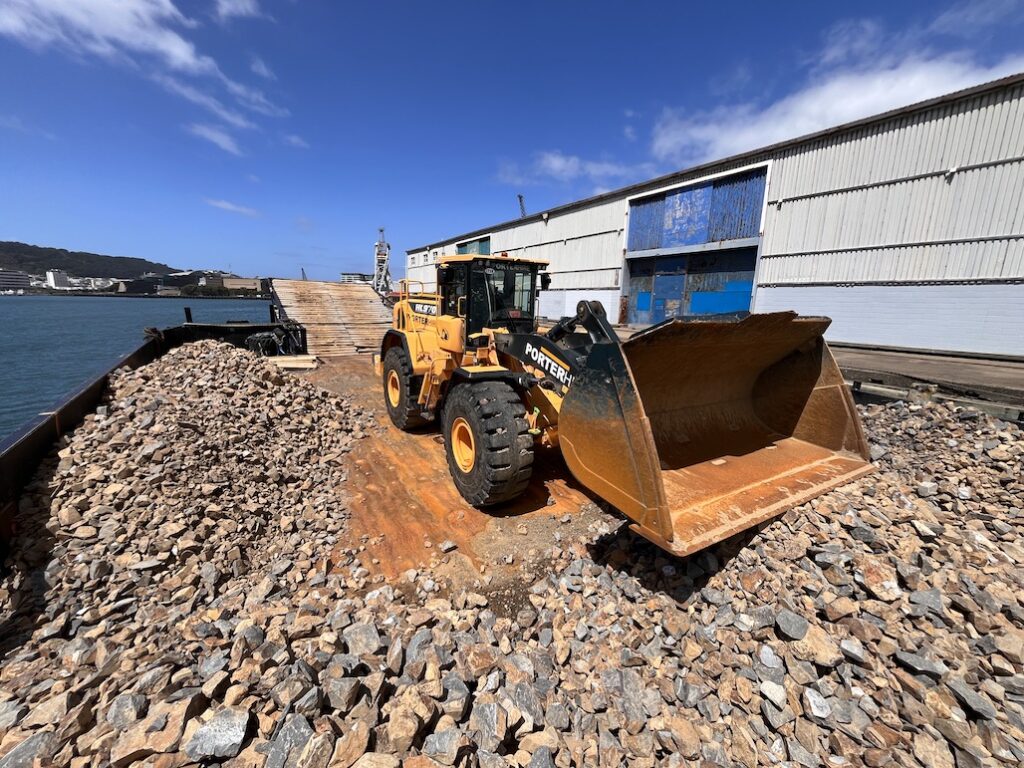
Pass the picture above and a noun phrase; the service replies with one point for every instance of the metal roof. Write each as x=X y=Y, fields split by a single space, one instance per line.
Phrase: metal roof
x=748 y=156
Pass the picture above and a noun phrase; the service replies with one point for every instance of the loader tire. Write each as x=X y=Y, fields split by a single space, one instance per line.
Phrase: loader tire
x=488 y=443
x=401 y=389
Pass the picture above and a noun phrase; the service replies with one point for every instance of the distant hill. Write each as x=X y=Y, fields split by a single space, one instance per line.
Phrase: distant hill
x=36 y=259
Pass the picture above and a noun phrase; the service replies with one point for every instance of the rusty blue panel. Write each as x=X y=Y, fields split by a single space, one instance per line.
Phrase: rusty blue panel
x=686 y=216
x=646 y=222
x=668 y=296
x=736 y=203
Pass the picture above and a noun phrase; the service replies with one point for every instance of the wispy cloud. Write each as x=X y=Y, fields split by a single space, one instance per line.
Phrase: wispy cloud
x=860 y=70
x=15 y=123
x=292 y=140
x=151 y=36
x=230 y=207
x=252 y=178
x=557 y=166
x=305 y=224
x=230 y=9
x=968 y=17
x=259 y=67
x=215 y=136
x=205 y=100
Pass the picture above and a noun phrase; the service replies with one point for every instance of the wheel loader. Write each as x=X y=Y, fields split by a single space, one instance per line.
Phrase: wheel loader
x=695 y=429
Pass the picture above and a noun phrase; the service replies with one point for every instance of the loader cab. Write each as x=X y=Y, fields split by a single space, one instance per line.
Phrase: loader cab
x=491 y=292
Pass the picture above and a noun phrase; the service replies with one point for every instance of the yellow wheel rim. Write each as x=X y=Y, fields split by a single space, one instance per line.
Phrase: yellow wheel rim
x=394 y=389
x=463 y=445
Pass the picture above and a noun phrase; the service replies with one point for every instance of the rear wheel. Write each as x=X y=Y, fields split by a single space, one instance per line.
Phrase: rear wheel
x=488 y=443
x=401 y=389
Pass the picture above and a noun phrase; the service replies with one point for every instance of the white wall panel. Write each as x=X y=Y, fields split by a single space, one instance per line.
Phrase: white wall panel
x=555 y=305
x=983 y=318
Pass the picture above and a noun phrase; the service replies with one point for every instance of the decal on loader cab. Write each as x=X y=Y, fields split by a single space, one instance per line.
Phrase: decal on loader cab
x=424 y=309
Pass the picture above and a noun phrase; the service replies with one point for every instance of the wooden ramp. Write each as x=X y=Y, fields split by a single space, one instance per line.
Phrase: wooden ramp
x=340 y=319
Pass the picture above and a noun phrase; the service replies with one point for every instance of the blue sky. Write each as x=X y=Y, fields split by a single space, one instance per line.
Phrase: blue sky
x=262 y=136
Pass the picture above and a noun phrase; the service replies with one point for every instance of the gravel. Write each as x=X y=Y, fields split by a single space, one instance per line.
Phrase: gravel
x=875 y=626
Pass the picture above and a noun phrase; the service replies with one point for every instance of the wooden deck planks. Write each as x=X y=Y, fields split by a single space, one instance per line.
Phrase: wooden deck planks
x=340 y=319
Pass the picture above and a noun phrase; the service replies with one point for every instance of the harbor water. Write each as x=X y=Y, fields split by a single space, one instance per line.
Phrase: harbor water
x=50 y=345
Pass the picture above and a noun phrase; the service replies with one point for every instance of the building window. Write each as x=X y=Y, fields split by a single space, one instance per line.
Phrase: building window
x=481 y=247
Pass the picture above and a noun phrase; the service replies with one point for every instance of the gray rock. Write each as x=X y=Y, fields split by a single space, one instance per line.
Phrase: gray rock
x=541 y=758
x=221 y=736
x=126 y=709
x=444 y=746
x=11 y=713
x=816 y=706
x=920 y=664
x=774 y=692
x=362 y=639
x=927 y=489
x=791 y=625
x=40 y=746
x=972 y=701
x=288 y=744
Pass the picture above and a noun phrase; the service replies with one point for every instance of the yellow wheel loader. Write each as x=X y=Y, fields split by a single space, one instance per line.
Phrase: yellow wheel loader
x=695 y=429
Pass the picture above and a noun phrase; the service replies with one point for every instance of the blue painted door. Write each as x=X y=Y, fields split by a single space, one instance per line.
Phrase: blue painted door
x=668 y=296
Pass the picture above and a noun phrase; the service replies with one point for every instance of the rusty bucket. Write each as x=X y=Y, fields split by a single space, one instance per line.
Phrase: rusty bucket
x=699 y=429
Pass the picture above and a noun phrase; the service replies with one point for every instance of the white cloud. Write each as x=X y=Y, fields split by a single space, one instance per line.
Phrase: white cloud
x=252 y=178
x=861 y=70
x=298 y=142
x=557 y=166
x=970 y=16
x=629 y=132
x=15 y=123
x=107 y=28
x=215 y=136
x=205 y=100
x=228 y=9
x=259 y=67
x=146 y=34
x=230 y=207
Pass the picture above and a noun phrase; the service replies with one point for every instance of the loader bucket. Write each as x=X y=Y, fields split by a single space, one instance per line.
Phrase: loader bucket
x=699 y=429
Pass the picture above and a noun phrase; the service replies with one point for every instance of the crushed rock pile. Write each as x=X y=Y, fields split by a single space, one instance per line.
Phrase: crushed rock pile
x=879 y=625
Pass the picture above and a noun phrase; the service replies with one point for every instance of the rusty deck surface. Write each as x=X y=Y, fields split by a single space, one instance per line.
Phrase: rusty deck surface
x=403 y=497
x=995 y=380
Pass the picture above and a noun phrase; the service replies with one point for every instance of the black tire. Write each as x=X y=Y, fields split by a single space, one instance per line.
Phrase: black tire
x=405 y=414
x=502 y=445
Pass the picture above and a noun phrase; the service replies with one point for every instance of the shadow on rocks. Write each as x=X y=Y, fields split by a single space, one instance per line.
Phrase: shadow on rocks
x=659 y=571
x=27 y=557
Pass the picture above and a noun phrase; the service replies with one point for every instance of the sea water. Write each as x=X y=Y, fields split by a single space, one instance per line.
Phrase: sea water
x=51 y=345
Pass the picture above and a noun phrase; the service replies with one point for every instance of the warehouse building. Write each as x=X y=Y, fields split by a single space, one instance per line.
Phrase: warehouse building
x=906 y=228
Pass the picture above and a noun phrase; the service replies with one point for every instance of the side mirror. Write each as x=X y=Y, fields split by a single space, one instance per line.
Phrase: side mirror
x=460 y=306
x=545 y=281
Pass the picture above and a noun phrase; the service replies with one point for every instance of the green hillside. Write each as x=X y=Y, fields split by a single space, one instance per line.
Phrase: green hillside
x=36 y=259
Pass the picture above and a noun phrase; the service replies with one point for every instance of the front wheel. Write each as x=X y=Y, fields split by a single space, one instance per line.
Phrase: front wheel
x=487 y=442
x=401 y=390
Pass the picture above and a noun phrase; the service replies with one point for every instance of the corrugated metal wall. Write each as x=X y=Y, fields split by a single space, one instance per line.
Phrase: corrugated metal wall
x=932 y=196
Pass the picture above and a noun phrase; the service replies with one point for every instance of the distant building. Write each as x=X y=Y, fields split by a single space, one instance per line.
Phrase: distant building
x=57 y=278
x=12 y=280
x=356 y=277
x=241 y=283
